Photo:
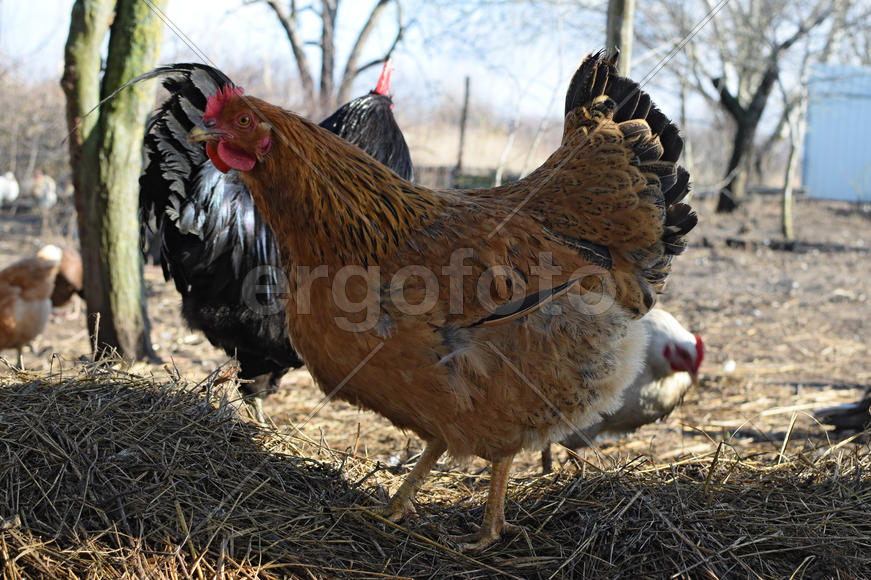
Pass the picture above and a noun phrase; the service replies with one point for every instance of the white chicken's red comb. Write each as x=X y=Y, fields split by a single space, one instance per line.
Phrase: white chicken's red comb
x=217 y=101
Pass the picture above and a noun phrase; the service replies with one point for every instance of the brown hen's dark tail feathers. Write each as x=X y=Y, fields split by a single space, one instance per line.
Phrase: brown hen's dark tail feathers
x=655 y=141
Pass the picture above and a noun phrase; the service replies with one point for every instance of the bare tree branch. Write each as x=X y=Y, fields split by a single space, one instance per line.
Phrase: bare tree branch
x=351 y=69
x=377 y=61
x=727 y=99
x=822 y=13
x=287 y=19
x=318 y=100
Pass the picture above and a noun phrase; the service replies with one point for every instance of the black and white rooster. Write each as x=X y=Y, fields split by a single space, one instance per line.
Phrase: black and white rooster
x=213 y=242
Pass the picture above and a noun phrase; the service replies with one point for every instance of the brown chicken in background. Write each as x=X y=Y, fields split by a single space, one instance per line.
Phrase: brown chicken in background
x=25 y=298
x=68 y=281
x=671 y=366
x=485 y=321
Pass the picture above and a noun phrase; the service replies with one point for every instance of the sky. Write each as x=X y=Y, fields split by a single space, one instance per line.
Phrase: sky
x=32 y=33
x=515 y=75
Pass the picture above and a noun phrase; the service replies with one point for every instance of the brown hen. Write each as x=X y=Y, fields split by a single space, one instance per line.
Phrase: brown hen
x=25 y=298
x=485 y=321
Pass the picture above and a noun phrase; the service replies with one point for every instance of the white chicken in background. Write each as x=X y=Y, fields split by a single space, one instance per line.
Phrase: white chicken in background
x=25 y=297
x=672 y=363
x=44 y=190
x=9 y=189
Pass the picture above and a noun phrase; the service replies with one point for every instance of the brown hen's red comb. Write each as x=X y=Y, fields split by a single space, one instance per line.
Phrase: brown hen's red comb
x=217 y=101
x=383 y=86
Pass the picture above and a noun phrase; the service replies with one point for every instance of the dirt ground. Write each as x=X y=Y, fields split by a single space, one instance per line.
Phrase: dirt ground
x=786 y=331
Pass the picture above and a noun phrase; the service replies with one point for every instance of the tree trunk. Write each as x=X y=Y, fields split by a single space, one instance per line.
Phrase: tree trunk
x=106 y=162
x=464 y=117
x=89 y=23
x=620 y=30
x=733 y=192
x=797 y=130
x=746 y=122
x=328 y=55
x=689 y=160
x=786 y=223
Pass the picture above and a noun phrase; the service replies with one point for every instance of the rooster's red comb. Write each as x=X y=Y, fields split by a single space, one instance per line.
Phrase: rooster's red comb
x=700 y=351
x=217 y=101
x=383 y=86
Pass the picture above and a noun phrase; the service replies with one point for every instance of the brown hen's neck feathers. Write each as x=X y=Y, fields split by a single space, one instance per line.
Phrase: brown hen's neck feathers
x=327 y=200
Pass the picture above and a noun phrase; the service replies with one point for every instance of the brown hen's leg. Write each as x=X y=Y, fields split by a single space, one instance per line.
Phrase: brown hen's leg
x=400 y=505
x=494 y=512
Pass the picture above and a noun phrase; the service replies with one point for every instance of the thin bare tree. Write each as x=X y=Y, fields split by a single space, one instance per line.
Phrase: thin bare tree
x=323 y=100
x=620 y=31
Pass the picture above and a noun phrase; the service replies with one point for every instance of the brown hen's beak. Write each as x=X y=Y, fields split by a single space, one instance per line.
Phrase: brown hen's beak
x=203 y=134
x=694 y=376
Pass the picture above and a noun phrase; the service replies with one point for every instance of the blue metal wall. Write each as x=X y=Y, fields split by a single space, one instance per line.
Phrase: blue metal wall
x=837 y=147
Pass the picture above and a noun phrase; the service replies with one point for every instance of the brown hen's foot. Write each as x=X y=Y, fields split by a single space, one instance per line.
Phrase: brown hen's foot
x=399 y=509
x=485 y=537
x=400 y=506
x=494 y=524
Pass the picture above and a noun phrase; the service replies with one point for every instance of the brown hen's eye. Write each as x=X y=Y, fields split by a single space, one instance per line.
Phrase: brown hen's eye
x=244 y=121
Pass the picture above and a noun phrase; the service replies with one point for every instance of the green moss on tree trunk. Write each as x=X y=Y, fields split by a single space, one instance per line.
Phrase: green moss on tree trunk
x=89 y=24
x=107 y=159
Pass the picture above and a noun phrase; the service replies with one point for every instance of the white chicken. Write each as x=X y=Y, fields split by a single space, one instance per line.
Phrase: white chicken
x=9 y=188
x=672 y=363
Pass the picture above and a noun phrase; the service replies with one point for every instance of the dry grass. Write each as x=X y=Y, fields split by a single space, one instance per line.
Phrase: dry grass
x=106 y=474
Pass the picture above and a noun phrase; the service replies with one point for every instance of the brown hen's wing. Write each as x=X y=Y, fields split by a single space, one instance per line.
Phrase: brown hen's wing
x=612 y=191
x=34 y=278
x=9 y=297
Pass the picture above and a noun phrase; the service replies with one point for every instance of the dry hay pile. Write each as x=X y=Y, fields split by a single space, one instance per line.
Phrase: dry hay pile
x=105 y=474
